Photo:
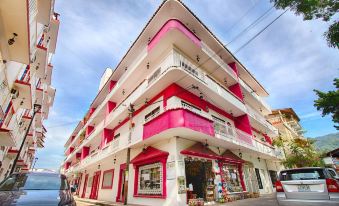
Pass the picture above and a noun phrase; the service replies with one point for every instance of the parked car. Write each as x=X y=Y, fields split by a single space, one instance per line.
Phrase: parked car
x=36 y=188
x=307 y=186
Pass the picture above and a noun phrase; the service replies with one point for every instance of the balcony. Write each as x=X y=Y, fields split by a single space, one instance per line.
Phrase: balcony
x=21 y=92
x=52 y=34
x=96 y=156
x=224 y=135
x=20 y=22
x=45 y=10
x=254 y=99
x=39 y=62
x=172 y=67
x=224 y=67
x=10 y=134
x=259 y=121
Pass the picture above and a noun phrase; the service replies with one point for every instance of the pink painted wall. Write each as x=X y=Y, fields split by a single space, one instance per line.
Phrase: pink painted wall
x=109 y=107
x=78 y=155
x=178 y=118
x=89 y=130
x=236 y=90
x=233 y=66
x=91 y=111
x=84 y=152
x=268 y=139
x=111 y=85
x=169 y=25
x=243 y=123
x=107 y=136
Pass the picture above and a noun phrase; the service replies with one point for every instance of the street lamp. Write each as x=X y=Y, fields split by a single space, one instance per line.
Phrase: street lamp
x=36 y=109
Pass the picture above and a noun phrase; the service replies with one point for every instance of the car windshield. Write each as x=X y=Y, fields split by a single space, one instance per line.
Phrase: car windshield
x=302 y=174
x=34 y=182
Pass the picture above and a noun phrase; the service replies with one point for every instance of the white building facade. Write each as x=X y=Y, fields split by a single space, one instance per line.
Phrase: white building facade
x=180 y=119
x=28 y=36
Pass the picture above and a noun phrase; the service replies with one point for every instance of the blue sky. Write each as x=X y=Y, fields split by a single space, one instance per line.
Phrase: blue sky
x=290 y=58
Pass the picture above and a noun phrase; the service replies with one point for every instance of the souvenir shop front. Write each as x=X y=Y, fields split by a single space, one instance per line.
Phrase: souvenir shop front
x=211 y=177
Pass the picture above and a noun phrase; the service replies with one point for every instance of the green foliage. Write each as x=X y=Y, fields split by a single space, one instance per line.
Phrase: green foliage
x=315 y=9
x=328 y=102
x=327 y=143
x=302 y=154
x=279 y=142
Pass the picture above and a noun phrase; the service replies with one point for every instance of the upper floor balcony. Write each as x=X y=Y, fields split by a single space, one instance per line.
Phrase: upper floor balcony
x=254 y=99
x=19 y=29
x=10 y=131
x=259 y=121
x=45 y=8
x=22 y=91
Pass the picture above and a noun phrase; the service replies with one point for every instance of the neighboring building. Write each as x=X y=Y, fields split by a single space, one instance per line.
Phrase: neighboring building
x=28 y=35
x=179 y=111
x=332 y=159
x=287 y=123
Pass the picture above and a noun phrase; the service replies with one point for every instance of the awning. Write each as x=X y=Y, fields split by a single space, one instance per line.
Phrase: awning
x=229 y=156
x=150 y=154
x=200 y=150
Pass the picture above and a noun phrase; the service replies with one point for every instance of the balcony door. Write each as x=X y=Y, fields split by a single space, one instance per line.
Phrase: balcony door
x=95 y=185
x=84 y=187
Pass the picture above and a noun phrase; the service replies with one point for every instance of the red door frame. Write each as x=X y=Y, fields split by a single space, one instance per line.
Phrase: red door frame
x=79 y=184
x=121 y=173
x=95 y=185
x=84 y=187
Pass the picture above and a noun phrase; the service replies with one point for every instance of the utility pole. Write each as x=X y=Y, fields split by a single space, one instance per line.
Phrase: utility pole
x=35 y=159
x=36 y=108
x=130 y=114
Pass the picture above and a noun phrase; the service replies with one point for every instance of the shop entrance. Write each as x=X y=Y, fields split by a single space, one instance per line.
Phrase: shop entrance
x=199 y=176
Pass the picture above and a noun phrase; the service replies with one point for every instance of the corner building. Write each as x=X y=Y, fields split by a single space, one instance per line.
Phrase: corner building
x=28 y=37
x=182 y=115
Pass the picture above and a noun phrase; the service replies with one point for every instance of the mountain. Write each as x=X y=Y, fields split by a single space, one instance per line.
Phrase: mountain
x=327 y=142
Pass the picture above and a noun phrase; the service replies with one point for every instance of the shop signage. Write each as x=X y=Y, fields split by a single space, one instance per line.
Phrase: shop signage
x=170 y=166
x=181 y=185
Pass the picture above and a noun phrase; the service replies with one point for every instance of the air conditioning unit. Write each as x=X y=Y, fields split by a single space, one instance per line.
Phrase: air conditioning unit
x=14 y=93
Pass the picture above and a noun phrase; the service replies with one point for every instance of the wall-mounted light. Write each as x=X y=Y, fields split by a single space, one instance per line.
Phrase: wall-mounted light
x=11 y=41
x=115 y=159
x=198 y=58
x=206 y=145
x=240 y=154
x=258 y=159
x=99 y=166
x=125 y=68
x=147 y=65
x=123 y=92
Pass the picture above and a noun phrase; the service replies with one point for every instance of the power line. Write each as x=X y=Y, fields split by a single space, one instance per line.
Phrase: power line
x=262 y=30
x=253 y=24
x=245 y=14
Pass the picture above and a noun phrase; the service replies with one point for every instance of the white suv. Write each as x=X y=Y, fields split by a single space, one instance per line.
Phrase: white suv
x=308 y=186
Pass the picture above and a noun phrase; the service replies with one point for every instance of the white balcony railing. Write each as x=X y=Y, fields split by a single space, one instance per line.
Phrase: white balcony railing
x=218 y=60
x=254 y=95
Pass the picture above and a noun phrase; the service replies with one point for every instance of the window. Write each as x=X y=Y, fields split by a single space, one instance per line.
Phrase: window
x=190 y=107
x=302 y=174
x=107 y=181
x=257 y=172
x=150 y=179
x=34 y=182
x=153 y=113
x=232 y=178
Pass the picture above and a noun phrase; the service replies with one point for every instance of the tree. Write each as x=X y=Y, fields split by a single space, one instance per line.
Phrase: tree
x=316 y=9
x=328 y=102
x=302 y=154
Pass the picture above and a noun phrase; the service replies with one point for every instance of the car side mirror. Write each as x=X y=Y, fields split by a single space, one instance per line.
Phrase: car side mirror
x=72 y=189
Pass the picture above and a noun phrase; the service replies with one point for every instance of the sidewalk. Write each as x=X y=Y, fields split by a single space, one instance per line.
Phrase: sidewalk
x=90 y=202
x=264 y=200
